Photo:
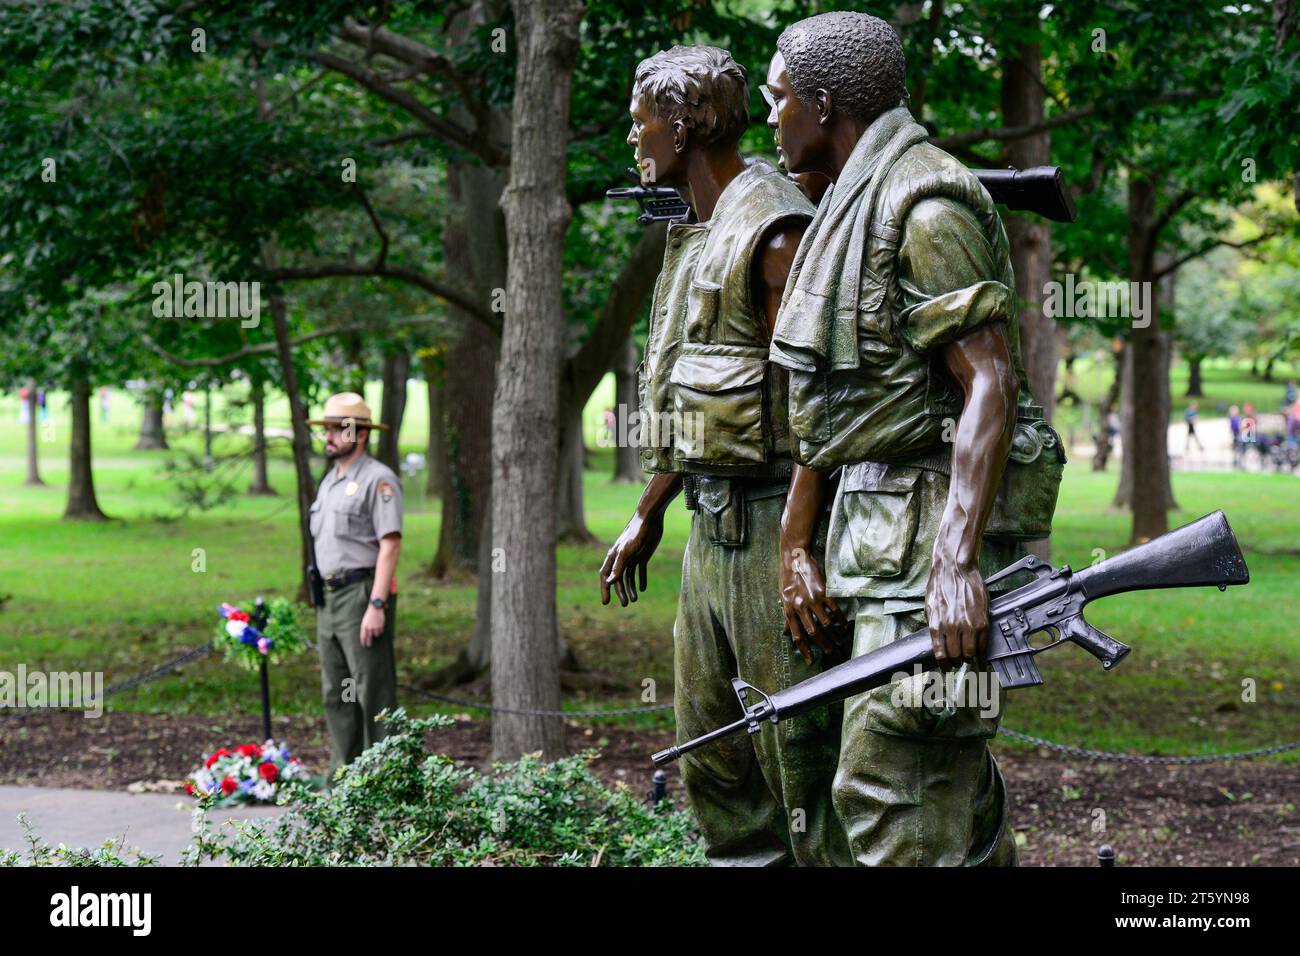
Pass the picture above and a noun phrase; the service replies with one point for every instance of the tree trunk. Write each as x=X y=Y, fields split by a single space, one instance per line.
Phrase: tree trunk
x=397 y=369
x=1146 y=390
x=1104 y=443
x=82 y=504
x=571 y=518
x=525 y=432
x=33 y=459
x=260 y=484
x=627 y=462
x=152 y=435
x=474 y=247
x=1030 y=236
x=207 y=427
x=1286 y=21
x=306 y=485
x=1194 y=377
x=436 y=452
x=354 y=365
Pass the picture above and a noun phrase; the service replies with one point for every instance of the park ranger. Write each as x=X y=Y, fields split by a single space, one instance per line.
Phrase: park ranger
x=356 y=528
x=898 y=327
x=712 y=422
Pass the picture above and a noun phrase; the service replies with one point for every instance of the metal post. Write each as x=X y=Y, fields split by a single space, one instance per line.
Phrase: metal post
x=658 y=788
x=260 y=616
x=1106 y=855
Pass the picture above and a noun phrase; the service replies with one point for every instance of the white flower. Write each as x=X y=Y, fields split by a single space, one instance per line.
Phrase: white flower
x=264 y=790
x=236 y=628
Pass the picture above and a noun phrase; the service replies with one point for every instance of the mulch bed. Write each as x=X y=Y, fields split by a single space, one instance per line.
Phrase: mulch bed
x=1233 y=814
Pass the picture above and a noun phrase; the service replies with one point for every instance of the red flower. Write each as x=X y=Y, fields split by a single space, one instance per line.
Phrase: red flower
x=248 y=750
x=238 y=616
x=217 y=755
x=228 y=786
x=189 y=788
x=269 y=772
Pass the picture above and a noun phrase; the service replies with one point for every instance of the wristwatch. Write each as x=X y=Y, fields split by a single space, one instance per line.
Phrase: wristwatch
x=379 y=603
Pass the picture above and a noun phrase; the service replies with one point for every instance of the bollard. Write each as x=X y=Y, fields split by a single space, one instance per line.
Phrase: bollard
x=658 y=788
x=1106 y=855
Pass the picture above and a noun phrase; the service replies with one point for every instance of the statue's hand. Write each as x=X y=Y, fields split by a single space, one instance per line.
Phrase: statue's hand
x=631 y=553
x=810 y=613
x=957 y=611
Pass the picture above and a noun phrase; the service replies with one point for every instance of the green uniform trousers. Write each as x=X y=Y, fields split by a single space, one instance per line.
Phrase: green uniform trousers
x=356 y=682
x=762 y=800
x=917 y=784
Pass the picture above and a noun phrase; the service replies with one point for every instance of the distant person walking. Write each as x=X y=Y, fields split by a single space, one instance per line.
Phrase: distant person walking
x=104 y=405
x=1190 y=417
x=24 y=405
x=1290 y=397
x=1234 y=424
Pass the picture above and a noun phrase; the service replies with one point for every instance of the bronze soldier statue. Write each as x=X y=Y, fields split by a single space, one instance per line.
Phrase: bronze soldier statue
x=713 y=423
x=898 y=328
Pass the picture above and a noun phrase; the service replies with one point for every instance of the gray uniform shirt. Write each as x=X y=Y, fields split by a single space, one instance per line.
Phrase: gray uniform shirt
x=352 y=513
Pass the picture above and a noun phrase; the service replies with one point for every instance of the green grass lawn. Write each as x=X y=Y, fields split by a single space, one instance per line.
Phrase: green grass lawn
x=123 y=595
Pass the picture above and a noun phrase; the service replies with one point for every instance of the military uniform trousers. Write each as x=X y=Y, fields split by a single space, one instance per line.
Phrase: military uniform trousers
x=356 y=682
x=917 y=784
x=761 y=800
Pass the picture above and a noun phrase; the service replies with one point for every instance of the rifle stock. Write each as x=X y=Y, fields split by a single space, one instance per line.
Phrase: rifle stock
x=1202 y=554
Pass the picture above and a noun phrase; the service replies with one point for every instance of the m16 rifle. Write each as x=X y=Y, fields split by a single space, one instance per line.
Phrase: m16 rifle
x=1039 y=189
x=1202 y=553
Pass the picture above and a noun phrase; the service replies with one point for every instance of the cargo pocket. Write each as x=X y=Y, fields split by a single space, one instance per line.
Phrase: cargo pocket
x=873 y=523
x=351 y=519
x=315 y=519
x=702 y=303
x=718 y=393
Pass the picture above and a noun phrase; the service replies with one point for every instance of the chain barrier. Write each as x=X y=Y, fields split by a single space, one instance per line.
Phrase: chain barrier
x=527 y=712
x=1145 y=758
x=195 y=653
x=130 y=683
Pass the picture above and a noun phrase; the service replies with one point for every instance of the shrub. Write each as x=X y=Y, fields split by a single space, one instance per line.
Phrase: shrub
x=113 y=852
x=397 y=805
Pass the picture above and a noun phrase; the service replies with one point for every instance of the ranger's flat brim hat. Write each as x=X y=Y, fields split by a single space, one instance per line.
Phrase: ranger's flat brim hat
x=347 y=408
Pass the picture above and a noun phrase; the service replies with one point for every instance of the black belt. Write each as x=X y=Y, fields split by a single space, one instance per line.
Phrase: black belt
x=344 y=578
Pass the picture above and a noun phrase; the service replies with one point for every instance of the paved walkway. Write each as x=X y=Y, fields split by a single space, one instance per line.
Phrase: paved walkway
x=153 y=822
x=1214 y=455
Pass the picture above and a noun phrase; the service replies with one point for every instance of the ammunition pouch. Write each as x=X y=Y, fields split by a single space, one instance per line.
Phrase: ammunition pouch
x=1031 y=480
x=721 y=503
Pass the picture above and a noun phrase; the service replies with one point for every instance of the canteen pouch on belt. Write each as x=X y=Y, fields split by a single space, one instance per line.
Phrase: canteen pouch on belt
x=1031 y=481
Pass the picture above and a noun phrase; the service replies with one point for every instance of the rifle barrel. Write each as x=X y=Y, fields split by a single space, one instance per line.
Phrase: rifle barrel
x=675 y=751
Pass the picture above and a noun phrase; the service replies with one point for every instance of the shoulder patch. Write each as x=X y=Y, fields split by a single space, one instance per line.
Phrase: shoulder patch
x=384 y=490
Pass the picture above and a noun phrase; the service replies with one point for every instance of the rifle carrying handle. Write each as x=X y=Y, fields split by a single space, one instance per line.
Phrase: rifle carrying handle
x=1095 y=641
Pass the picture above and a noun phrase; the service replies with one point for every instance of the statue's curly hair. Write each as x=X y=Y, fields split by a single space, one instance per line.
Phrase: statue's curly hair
x=855 y=57
x=700 y=85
